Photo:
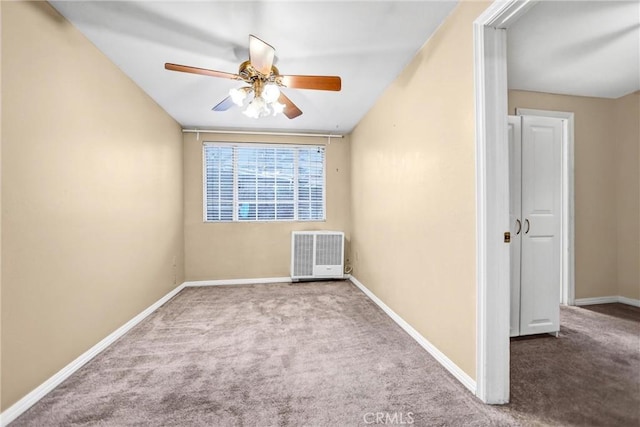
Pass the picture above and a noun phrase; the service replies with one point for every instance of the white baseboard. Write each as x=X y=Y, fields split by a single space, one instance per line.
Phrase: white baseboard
x=449 y=365
x=239 y=281
x=18 y=408
x=629 y=301
x=258 y=281
x=596 y=300
x=607 y=300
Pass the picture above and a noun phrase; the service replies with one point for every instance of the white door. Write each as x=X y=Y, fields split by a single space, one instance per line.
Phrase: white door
x=540 y=274
x=515 y=209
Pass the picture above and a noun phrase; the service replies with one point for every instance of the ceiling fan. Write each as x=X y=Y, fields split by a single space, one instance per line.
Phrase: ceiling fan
x=264 y=81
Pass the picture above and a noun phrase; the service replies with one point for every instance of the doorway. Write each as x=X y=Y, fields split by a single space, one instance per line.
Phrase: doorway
x=492 y=198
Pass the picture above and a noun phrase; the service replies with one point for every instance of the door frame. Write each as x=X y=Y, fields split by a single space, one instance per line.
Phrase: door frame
x=492 y=198
x=567 y=232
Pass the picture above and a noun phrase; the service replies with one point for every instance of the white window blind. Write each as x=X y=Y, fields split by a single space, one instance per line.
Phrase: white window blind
x=255 y=182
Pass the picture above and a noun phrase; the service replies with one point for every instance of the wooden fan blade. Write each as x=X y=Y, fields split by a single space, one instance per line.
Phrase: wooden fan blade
x=203 y=71
x=290 y=109
x=312 y=82
x=224 y=105
x=261 y=55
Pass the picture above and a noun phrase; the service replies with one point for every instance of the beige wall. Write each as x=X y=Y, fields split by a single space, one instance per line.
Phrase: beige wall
x=215 y=251
x=91 y=197
x=0 y=211
x=413 y=192
x=627 y=132
x=606 y=169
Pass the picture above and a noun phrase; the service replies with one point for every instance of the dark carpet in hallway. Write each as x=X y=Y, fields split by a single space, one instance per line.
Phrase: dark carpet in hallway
x=588 y=376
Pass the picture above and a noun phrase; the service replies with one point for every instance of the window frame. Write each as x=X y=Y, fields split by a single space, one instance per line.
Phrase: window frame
x=258 y=145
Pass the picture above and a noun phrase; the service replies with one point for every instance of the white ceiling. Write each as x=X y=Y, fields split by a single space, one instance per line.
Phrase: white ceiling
x=367 y=43
x=588 y=48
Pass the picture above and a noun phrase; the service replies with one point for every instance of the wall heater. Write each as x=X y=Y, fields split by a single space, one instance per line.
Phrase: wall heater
x=317 y=255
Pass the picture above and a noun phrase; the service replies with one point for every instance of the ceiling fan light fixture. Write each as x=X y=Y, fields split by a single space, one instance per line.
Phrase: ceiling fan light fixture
x=264 y=103
x=257 y=108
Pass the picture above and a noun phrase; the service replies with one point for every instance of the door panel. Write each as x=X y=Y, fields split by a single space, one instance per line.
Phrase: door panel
x=515 y=208
x=541 y=213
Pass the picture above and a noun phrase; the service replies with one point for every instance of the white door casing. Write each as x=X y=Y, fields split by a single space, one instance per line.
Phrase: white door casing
x=541 y=219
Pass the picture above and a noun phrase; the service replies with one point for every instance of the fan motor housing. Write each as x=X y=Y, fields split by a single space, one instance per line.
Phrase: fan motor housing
x=248 y=73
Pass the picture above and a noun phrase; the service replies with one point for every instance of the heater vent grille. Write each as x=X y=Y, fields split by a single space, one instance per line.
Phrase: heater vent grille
x=303 y=255
x=328 y=249
x=317 y=255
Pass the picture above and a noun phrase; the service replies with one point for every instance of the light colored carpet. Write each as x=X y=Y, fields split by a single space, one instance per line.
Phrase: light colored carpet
x=319 y=354
x=322 y=354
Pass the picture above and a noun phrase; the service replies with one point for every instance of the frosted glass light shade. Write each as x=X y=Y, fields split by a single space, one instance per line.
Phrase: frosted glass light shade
x=238 y=96
x=277 y=108
x=271 y=93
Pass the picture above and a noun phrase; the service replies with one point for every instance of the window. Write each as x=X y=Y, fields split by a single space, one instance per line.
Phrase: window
x=252 y=182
